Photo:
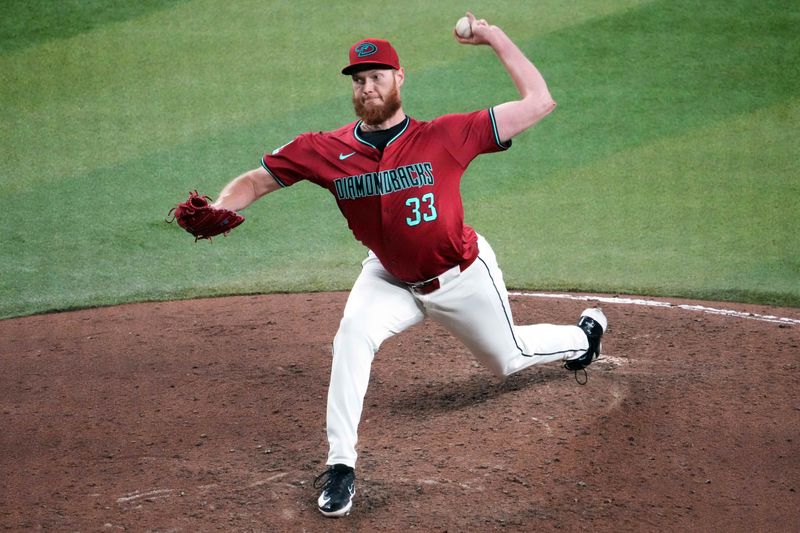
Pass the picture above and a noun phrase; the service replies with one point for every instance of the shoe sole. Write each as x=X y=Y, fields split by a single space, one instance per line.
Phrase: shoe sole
x=344 y=511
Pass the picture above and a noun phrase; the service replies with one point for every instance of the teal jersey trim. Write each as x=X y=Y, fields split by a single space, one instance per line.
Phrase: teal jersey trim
x=504 y=146
x=407 y=121
x=360 y=139
x=276 y=178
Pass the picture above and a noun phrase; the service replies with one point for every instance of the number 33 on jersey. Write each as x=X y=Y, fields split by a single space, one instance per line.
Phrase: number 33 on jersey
x=430 y=211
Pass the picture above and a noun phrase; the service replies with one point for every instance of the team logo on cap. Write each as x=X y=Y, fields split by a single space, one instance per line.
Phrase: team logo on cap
x=365 y=49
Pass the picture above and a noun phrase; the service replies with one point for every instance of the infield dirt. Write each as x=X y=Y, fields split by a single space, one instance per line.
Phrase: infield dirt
x=210 y=415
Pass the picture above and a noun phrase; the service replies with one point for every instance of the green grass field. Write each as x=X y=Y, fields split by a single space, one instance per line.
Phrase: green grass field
x=669 y=168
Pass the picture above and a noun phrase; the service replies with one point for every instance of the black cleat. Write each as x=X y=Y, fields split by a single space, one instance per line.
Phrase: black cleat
x=593 y=322
x=338 y=485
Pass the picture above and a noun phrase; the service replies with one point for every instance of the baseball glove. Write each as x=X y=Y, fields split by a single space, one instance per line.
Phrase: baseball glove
x=203 y=220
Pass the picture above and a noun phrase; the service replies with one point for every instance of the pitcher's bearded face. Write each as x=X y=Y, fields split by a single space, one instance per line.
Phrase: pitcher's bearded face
x=376 y=97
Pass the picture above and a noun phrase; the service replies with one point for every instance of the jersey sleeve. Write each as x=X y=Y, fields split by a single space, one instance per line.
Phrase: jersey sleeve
x=468 y=135
x=291 y=162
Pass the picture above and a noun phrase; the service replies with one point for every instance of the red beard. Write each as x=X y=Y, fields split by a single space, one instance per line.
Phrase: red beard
x=377 y=113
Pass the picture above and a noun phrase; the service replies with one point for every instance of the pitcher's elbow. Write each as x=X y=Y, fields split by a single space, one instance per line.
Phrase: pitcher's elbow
x=544 y=107
x=538 y=109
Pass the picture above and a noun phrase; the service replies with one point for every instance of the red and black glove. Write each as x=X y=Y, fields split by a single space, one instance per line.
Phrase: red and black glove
x=203 y=220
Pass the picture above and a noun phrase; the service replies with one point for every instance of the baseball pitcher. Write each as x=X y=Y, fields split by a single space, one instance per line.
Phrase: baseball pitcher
x=397 y=182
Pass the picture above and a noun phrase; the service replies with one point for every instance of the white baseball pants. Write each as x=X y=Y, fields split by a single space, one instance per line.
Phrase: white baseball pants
x=472 y=305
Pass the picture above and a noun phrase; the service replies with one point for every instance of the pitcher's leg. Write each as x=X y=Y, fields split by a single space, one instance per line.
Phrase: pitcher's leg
x=475 y=309
x=377 y=308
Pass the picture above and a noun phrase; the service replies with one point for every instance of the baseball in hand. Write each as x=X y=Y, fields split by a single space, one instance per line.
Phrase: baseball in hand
x=463 y=28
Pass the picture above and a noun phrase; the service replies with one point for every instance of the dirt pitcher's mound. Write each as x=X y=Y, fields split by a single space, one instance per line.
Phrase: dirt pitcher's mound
x=210 y=415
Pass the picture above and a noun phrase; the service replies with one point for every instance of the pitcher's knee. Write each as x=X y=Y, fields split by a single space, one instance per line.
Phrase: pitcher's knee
x=496 y=368
x=502 y=367
x=504 y=372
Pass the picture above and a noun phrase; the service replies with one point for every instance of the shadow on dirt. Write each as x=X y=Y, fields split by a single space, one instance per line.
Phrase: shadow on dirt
x=437 y=397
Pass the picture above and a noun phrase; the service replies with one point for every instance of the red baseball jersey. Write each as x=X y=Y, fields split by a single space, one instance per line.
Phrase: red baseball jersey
x=403 y=203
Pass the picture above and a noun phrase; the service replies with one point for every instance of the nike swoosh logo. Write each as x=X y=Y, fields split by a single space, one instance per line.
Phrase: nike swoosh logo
x=342 y=157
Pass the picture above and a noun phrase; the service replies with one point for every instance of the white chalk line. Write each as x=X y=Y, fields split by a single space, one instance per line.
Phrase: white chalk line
x=166 y=493
x=657 y=303
x=152 y=494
